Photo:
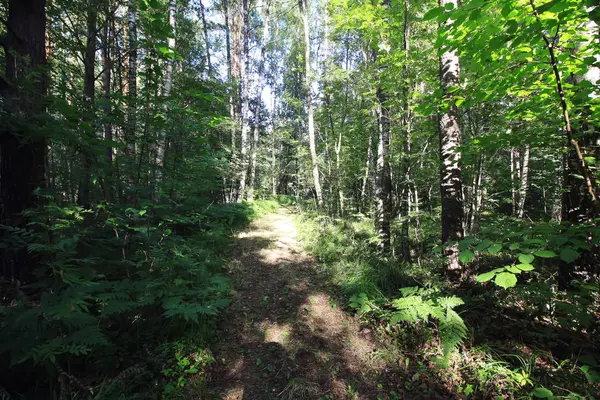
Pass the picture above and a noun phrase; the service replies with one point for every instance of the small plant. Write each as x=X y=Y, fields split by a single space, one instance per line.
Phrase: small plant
x=420 y=305
x=187 y=361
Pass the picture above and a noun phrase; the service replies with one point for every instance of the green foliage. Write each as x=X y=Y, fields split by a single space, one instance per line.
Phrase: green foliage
x=420 y=305
x=126 y=277
x=186 y=361
x=523 y=247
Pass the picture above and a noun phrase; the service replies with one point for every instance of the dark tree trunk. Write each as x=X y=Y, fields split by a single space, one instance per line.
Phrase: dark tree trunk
x=132 y=61
x=89 y=99
x=106 y=84
x=22 y=147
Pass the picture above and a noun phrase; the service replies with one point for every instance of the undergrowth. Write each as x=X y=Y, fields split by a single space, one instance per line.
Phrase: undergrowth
x=481 y=340
x=124 y=301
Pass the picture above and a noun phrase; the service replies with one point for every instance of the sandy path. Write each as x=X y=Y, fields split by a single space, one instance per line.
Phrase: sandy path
x=284 y=337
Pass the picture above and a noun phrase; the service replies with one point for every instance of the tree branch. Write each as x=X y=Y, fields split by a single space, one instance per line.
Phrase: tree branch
x=565 y=111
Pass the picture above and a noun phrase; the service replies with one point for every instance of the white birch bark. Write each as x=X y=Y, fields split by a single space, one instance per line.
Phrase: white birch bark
x=309 y=105
x=450 y=136
x=244 y=82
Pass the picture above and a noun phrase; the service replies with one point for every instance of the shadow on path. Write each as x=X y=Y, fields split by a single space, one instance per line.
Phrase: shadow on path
x=284 y=337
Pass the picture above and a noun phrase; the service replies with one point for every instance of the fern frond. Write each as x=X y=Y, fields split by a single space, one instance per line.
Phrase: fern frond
x=452 y=332
x=421 y=305
x=89 y=336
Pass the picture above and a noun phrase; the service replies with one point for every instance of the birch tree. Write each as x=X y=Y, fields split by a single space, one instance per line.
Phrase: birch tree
x=303 y=4
x=450 y=173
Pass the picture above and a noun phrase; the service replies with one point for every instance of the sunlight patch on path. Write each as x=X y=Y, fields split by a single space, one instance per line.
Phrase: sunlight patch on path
x=276 y=333
x=285 y=335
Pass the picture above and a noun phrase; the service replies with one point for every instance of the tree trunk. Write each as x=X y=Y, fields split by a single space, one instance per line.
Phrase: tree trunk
x=107 y=66
x=206 y=39
x=523 y=182
x=450 y=177
x=309 y=105
x=89 y=99
x=162 y=141
x=365 y=180
x=513 y=181
x=22 y=150
x=383 y=189
x=106 y=88
x=244 y=82
x=266 y=12
x=477 y=198
x=132 y=64
x=406 y=122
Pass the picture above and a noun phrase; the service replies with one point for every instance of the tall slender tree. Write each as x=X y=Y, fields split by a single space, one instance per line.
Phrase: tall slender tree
x=89 y=101
x=132 y=67
x=450 y=172
x=245 y=87
x=309 y=104
x=266 y=21
x=162 y=140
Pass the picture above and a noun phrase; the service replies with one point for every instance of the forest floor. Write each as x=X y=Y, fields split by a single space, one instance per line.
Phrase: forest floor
x=285 y=335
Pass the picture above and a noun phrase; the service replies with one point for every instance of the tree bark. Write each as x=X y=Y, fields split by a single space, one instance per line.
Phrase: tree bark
x=365 y=180
x=406 y=122
x=132 y=64
x=266 y=17
x=244 y=82
x=106 y=82
x=206 y=39
x=161 y=140
x=383 y=188
x=309 y=105
x=523 y=182
x=89 y=99
x=22 y=149
x=450 y=176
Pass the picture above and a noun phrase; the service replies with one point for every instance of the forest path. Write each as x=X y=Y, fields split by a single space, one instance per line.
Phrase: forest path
x=284 y=336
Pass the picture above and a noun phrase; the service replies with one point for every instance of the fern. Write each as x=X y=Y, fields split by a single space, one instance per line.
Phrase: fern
x=89 y=303
x=425 y=304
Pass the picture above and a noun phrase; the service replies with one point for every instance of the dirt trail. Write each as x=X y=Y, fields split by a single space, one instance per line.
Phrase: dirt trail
x=284 y=337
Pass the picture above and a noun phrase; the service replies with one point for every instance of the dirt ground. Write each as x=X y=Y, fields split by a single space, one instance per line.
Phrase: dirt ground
x=285 y=337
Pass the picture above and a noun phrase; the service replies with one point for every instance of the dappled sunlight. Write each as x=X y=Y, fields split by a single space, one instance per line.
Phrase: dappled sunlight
x=285 y=336
x=276 y=333
x=236 y=393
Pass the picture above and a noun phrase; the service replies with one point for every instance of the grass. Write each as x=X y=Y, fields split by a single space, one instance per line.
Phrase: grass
x=523 y=342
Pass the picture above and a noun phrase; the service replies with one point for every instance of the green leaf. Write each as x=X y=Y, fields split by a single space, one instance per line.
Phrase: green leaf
x=483 y=245
x=525 y=267
x=485 y=276
x=466 y=256
x=513 y=269
x=433 y=13
x=506 y=280
x=495 y=248
x=542 y=393
x=526 y=258
x=567 y=254
x=545 y=254
x=545 y=7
